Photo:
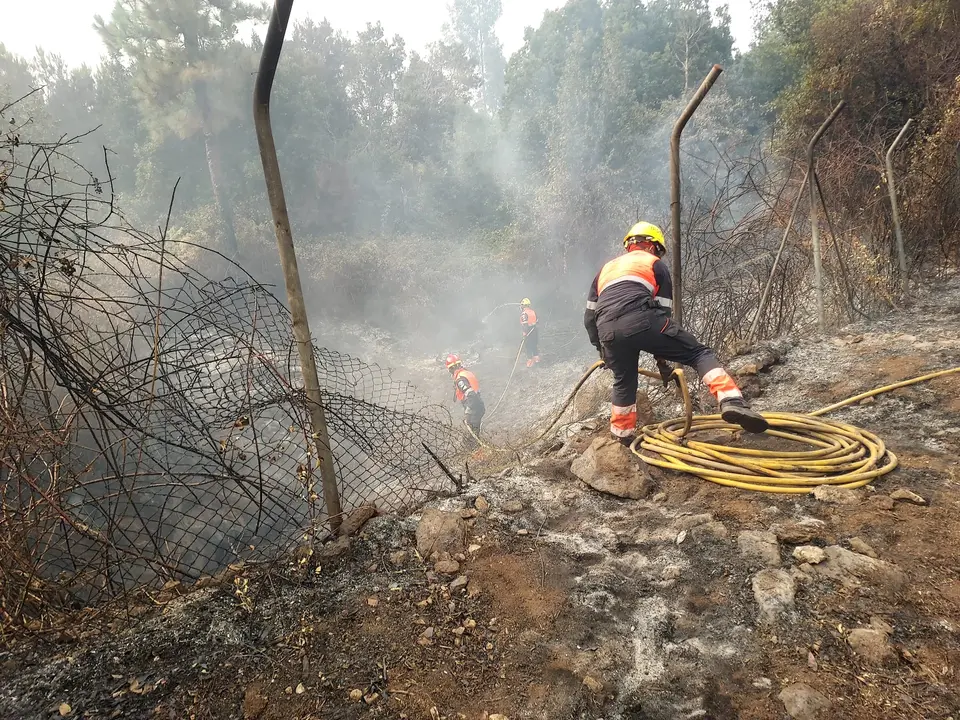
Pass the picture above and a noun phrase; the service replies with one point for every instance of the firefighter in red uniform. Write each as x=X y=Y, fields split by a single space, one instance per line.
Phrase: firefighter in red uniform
x=467 y=392
x=528 y=323
x=628 y=312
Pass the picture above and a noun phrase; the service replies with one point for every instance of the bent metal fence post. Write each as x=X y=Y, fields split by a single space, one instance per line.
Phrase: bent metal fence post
x=681 y=123
x=272 y=46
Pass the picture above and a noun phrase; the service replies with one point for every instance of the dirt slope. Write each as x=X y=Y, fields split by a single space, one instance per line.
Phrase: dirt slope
x=583 y=605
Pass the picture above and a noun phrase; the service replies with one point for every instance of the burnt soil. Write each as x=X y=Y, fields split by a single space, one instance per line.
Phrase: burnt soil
x=651 y=600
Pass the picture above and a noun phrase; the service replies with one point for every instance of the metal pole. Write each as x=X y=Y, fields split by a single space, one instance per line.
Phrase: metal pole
x=814 y=229
x=675 y=184
x=288 y=256
x=891 y=187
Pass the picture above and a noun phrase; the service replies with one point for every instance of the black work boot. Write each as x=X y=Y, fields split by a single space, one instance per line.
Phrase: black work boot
x=627 y=441
x=736 y=412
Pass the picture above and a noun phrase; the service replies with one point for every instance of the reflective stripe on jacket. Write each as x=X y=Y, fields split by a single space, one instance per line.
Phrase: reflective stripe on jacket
x=633 y=282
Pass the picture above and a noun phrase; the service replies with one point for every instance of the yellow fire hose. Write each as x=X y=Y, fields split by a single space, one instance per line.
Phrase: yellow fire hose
x=842 y=455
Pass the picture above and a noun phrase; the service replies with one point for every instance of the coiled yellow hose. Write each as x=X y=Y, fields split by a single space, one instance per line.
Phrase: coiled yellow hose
x=840 y=454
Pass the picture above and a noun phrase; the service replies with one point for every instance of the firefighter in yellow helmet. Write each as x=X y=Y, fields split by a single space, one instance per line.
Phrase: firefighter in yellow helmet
x=466 y=391
x=528 y=323
x=628 y=312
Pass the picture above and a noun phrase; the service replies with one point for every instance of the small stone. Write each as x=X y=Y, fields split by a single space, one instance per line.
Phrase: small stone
x=459 y=584
x=593 y=685
x=513 y=506
x=468 y=513
x=254 y=701
x=660 y=497
x=802 y=702
x=760 y=546
x=373 y=601
x=873 y=645
x=774 y=591
x=837 y=495
x=371 y=698
x=398 y=558
x=426 y=637
x=65 y=709
x=868 y=401
x=809 y=554
x=447 y=567
x=460 y=557
x=473 y=548
x=715 y=529
x=288 y=690
x=799 y=532
x=356 y=519
x=481 y=504
x=334 y=550
x=356 y=695
x=763 y=683
x=860 y=546
x=523 y=531
x=907 y=496
x=670 y=572
x=498 y=716
x=432 y=577
x=469 y=623
x=883 y=502
x=300 y=689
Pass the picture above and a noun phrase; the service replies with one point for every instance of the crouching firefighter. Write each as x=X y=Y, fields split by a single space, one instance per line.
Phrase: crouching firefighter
x=467 y=392
x=528 y=323
x=628 y=312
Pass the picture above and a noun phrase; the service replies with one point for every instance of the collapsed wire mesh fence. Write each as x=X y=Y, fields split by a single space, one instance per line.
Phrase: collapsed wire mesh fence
x=153 y=424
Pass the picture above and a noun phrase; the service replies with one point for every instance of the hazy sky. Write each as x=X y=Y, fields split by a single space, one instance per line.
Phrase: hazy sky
x=65 y=26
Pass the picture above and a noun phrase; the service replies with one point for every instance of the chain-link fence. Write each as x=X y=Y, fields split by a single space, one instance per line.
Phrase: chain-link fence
x=152 y=418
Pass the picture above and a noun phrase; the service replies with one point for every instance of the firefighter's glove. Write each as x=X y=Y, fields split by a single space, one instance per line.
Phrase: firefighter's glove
x=666 y=372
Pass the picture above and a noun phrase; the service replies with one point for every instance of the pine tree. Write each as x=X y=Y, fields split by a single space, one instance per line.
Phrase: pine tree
x=177 y=50
x=472 y=24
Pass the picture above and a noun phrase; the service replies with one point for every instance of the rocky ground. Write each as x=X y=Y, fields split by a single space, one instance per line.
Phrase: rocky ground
x=533 y=595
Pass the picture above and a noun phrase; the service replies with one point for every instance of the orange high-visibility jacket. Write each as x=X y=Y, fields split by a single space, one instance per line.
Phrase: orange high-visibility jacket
x=528 y=319
x=634 y=281
x=465 y=383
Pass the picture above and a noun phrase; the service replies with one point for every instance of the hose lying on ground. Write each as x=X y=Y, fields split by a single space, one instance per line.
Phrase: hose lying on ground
x=841 y=454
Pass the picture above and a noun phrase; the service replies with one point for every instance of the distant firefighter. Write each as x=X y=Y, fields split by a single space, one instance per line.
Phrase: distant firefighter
x=467 y=392
x=628 y=312
x=528 y=323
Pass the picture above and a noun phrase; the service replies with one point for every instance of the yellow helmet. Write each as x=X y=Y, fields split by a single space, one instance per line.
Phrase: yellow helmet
x=648 y=232
x=525 y=302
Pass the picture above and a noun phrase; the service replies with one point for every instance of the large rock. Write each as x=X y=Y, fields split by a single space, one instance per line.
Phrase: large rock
x=759 y=546
x=609 y=467
x=774 y=591
x=440 y=532
x=850 y=568
x=802 y=702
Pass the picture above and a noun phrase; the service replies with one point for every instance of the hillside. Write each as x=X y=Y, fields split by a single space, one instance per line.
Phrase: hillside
x=557 y=601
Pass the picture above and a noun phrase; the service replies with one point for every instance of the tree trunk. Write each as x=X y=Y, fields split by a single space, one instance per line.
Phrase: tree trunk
x=212 y=148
